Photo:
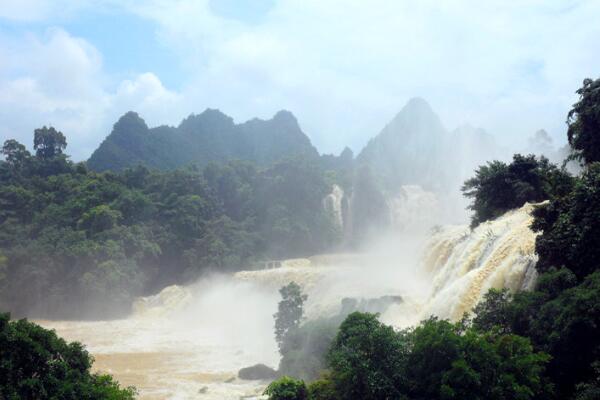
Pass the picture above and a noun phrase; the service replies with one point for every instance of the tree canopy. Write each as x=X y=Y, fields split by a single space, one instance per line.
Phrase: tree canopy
x=435 y=360
x=584 y=123
x=289 y=311
x=79 y=243
x=48 y=142
x=36 y=364
x=499 y=187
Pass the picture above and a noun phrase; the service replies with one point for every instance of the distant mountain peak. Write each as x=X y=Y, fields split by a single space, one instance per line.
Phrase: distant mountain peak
x=131 y=117
x=415 y=118
x=210 y=116
x=285 y=117
x=416 y=110
x=130 y=121
x=417 y=104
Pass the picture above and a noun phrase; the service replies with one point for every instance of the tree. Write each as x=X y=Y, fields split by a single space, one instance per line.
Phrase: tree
x=368 y=359
x=304 y=349
x=493 y=312
x=584 y=123
x=286 y=388
x=569 y=226
x=499 y=187
x=495 y=367
x=15 y=153
x=36 y=364
x=289 y=311
x=322 y=389
x=99 y=219
x=48 y=142
x=560 y=318
x=568 y=328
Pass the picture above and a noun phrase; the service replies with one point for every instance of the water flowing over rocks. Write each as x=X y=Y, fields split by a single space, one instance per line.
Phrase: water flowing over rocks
x=464 y=264
x=190 y=341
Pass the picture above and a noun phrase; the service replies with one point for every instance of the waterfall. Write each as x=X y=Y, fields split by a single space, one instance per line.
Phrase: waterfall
x=192 y=339
x=456 y=267
x=332 y=203
x=414 y=208
x=463 y=264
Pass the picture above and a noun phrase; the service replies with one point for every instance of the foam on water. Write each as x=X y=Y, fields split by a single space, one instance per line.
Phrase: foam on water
x=189 y=342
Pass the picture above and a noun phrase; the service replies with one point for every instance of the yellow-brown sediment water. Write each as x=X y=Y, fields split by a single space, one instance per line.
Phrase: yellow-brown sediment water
x=463 y=264
x=189 y=342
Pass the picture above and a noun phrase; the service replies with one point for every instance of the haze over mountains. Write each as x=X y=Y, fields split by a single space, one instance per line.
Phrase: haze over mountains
x=200 y=139
x=413 y=148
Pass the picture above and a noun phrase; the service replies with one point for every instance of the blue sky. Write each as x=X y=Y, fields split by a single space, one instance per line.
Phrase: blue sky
x=344 y=68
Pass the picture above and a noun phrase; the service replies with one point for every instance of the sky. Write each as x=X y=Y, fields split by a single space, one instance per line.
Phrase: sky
x=343 y=67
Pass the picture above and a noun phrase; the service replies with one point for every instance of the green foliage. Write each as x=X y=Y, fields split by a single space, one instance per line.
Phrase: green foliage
x=494 y=311
x=36 y=364
x=498 y=187
x=99 y=219
x=304 y=349
x=289 y=207
x=16 y=154
x=367 y=359
x=286 y=388
x=560 y=317
x=571 y=233
x=322 y=389
x=568 y=328
x=435 y=360
x=48 y=142
x=82 y=244
x=495 y=367
x=584 y=123
x=289 y=311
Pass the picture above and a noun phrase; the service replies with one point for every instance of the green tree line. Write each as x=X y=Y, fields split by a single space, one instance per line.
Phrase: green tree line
x=75 y=243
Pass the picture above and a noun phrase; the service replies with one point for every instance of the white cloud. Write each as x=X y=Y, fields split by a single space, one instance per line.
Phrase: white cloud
x=344 y=67
x=58 y=80
x=41 y=10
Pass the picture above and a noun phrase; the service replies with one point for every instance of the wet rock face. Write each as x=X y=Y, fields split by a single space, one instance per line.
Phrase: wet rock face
x=257 y=372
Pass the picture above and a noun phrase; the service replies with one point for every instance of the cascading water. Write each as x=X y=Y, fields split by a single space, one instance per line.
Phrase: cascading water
x=188 y=342
x=463 y=264
x=333 y=204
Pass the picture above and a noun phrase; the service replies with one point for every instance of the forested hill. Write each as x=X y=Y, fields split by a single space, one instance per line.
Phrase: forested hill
x=201 y=139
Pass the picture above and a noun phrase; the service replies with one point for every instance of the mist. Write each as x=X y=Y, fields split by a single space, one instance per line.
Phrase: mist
x=180 y=179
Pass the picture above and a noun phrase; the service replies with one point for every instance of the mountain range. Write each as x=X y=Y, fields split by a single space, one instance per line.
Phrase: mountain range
x=201 y=139
x=413 y=148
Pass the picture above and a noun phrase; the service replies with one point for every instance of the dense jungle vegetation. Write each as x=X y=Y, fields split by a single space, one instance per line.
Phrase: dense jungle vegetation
x=75 y=243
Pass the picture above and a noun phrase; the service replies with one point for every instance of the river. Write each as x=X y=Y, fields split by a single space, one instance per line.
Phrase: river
x=189 y=342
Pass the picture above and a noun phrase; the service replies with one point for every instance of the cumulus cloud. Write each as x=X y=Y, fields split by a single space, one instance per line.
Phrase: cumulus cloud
x=58 y=80
x=344 y=67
